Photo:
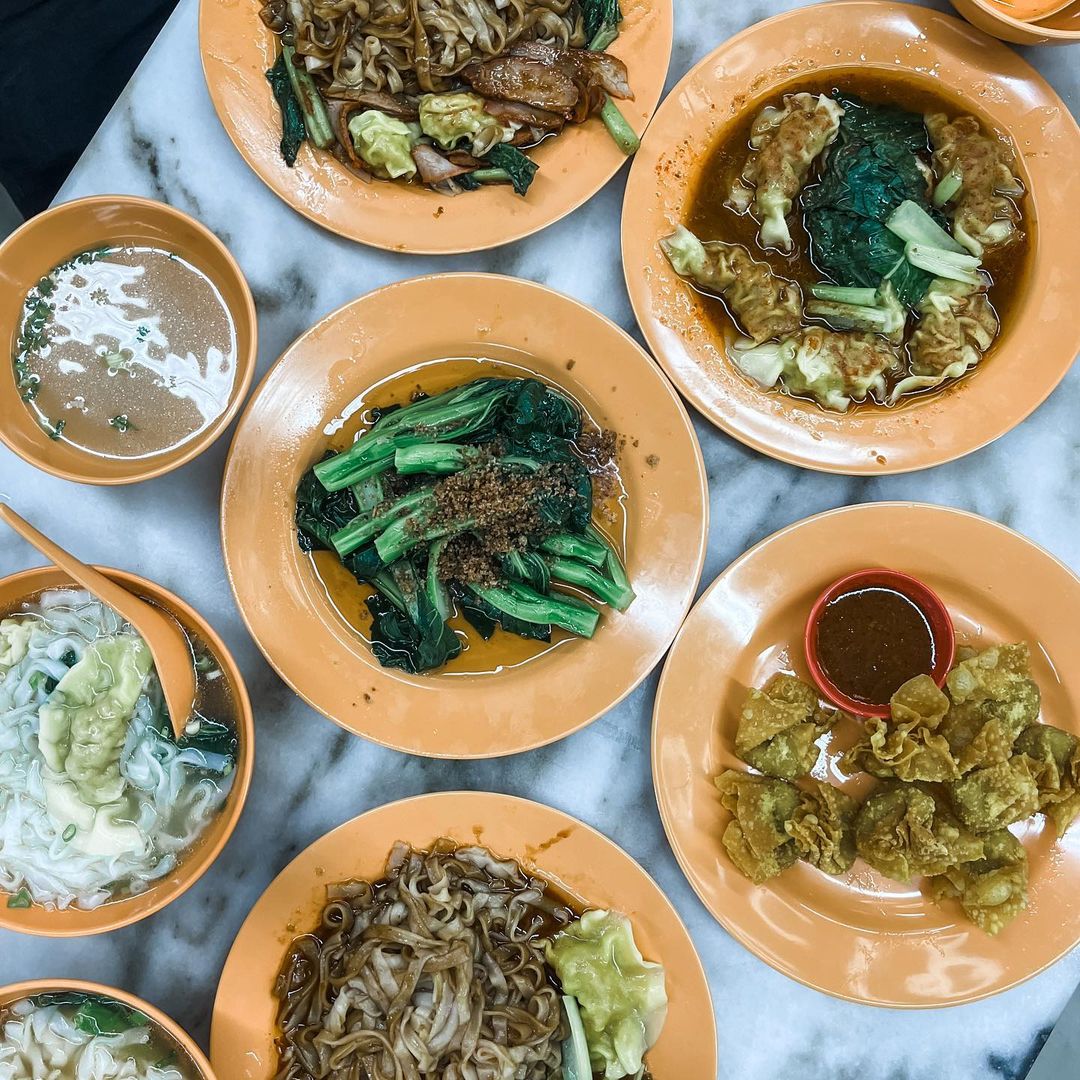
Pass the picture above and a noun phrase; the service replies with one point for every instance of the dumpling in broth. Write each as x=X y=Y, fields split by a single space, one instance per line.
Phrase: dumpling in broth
x=765 y=306
x=957 y=324
x=983 y=213
x=779 y=725
x=996 y=796
x=785 y=142
x=834 y=368
x=991 y=890
x=756 y=839
x=902 y=831
x=1054 y=759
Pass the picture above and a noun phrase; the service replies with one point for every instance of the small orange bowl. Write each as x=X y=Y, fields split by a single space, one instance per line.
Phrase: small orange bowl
x=922 y=596
x=173 y=1033
x=1061 y=28
x=44 y=242
x=76 y=922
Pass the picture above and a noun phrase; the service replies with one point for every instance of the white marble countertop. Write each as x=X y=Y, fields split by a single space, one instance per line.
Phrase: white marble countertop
x=162 y=139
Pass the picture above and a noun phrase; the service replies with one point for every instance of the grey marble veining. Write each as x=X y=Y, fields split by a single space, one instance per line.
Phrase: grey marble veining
x=162 y=139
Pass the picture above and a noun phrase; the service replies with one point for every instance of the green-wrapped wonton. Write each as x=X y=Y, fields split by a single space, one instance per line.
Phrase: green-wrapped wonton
x=907 y=746
x=991 y=890
x=779 y=725
x=902 y=831
x=1054 y=757
x=996 y=796
x=755 y=838
x=823 y=827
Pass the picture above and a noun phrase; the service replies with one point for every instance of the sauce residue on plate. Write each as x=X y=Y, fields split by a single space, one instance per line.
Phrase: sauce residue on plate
x=871 y=640
x=126 y=352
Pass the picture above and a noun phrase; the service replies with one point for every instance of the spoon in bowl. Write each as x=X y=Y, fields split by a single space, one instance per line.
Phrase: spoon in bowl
x=168 y=645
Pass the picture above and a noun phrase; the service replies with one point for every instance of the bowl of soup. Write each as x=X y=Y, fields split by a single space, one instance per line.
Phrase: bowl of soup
x=106 y=816
x=132 y=338
x=62 y=1029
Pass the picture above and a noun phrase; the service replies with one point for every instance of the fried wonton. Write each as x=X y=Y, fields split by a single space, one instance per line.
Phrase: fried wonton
x=755 y=838
x=1054 y=759
x=1000 y=678
x=906 y=746
x=823 y=827
x=903 y=831
x=991 y=890
x=994 y=797
x=779 y=725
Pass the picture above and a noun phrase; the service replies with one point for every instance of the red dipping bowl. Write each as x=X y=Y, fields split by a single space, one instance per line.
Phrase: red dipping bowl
x=922 y=596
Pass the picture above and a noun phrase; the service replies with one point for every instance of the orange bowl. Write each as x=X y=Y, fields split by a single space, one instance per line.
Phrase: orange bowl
x=1039 y=339
x=581 y=862
x=237 y=49
x=45 y=241
x=75 y=922
x=1061 y=28
x=172 y=1031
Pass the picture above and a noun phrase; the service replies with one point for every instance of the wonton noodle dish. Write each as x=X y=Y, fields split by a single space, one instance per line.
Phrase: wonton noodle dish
x=458 y=965
x=450 y=93
x=78 y=1036
x=97 y=799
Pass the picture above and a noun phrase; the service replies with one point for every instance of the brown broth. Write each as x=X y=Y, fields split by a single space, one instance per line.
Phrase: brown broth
x=137 y=354
x=710 y=219
x=502 y=650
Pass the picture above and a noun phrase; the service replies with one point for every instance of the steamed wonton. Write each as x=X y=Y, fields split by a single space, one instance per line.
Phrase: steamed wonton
x=755 y=838
x=834 y=368
x=957 y=324
x=983 y=215
x=902 y=831
x=992 y=890
x=995 y=797
x=1054 y=758
x=907 y=746
x=823 y=828
x=785 y=141
x=764 y=305
x=778 y=727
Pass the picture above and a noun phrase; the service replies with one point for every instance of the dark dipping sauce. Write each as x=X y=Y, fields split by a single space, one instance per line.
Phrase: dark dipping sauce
x=871 y=640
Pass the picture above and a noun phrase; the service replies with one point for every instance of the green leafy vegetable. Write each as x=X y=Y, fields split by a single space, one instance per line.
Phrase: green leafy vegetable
x=20 y=899
x=321 y=513
x=944 y=264
x=121 y=423
x=914 y=225
x=601 y=19
x=519 y=167
x=316 y=119
x=293 y=131
x=97 y=1017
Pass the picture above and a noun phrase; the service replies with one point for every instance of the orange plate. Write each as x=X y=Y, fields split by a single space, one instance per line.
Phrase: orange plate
x=1036 y=347
x=393 y=330
x=565 y=851
x=861 y=936
x=173 y=1031
x=1060 y=28
x=193 y=864
x=236 y=51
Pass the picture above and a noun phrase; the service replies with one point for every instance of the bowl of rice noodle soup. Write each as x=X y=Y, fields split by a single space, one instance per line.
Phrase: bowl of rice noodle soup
x=105 y=817
x=61 y=1029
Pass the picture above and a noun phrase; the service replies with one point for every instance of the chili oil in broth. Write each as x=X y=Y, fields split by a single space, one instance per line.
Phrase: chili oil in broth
x=126 y=352
x=348 y=596
x=708 y=217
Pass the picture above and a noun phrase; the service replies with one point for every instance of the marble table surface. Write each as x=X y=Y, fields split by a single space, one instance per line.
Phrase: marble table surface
x=162 y=139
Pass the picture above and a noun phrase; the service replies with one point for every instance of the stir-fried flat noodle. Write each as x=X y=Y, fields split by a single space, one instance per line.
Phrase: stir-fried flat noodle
x=438 y=970
x=411 y=46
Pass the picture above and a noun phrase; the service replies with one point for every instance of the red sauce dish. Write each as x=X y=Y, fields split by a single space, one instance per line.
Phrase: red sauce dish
x=871 y=631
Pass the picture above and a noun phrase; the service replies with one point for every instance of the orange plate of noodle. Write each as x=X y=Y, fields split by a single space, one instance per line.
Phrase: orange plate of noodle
x=578 y=869
x=237 y=49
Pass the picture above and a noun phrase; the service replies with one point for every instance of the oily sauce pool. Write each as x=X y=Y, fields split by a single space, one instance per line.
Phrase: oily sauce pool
x=871 y=640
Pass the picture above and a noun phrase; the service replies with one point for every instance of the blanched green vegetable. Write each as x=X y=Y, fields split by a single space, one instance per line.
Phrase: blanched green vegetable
x=621 y=996
x=575 y=1048
x=85 y=721
x=384 y=143
x=454 y=119
x=519 y=167
x=293 y=131
x=877 y=311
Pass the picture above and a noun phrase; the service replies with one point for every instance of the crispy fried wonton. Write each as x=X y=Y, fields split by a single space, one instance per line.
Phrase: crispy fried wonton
x=996 y=796
x=823 y=827
x=755 y=838
x=779 y=725
x=1054 y=759
x=992 y=890
x=998 y=678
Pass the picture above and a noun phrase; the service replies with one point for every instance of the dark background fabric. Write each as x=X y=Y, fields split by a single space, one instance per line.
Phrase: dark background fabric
x=65 y=64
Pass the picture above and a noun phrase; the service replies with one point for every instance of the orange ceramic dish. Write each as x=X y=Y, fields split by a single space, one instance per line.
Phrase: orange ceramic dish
x=43 y=242
x=75 y=922
x=580 y=861
x=173 y=1032
x=861 y=936
x=1060 y=28
x=402 y=328
x=1039 y=340
x=237 y=49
